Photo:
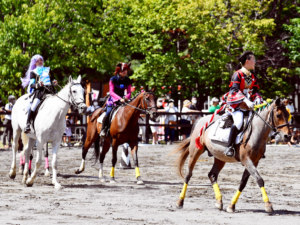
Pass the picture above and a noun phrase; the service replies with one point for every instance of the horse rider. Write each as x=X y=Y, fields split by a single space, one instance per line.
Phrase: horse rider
x=243 y=89
x=119 y=90
x=39 y=84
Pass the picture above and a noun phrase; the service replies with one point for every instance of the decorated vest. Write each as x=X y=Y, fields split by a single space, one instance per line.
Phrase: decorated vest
x=246 y=82
x=120 y=85
x=43 y=73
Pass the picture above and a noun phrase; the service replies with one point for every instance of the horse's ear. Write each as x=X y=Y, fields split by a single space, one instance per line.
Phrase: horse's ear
x=79 y=79
x=70 y=79
x=277 y=102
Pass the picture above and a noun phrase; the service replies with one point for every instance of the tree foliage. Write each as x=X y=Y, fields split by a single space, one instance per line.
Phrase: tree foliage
x=192 y=43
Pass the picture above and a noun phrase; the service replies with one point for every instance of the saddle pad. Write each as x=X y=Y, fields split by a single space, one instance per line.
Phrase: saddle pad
x=101 y=117
x=216 y=133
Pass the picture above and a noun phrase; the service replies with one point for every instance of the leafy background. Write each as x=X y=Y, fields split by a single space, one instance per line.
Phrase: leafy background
x=192 y=43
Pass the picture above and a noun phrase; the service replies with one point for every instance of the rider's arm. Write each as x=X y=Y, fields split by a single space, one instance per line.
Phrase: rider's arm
x=235 y=82
x=112 y=93
x=32 y=82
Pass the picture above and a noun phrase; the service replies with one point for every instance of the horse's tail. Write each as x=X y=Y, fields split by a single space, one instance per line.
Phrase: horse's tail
x=183 y=150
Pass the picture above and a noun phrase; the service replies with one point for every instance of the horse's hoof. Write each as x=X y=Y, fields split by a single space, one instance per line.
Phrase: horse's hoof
x=230 y=208
x=29 y=184
x=219 y=204
x=57 y=186
x=140 y=182
x=179 y=203
x=47 y=173
x=12 y=175
x=269 y=207
x=112 y=181
x=78 y=171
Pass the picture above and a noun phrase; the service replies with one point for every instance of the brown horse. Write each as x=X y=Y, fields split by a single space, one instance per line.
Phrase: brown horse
x=249 y=152
x=124 y=128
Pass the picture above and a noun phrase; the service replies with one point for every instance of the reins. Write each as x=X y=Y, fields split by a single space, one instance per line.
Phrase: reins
x=73 y=103
x=273 y=126
x=146 y=111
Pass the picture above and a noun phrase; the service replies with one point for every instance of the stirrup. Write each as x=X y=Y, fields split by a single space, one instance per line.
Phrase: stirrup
x=230 y=151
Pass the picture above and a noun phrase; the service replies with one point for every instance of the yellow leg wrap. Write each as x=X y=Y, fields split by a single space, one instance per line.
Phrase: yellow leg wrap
x=235 y=197
x=112 y=172
x=137 y=172
x=264 y=194
x=182 y=194
x=218 y=194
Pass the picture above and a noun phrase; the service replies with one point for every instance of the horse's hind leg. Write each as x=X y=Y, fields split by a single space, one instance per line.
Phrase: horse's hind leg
x=16 y=136
x=253 y=172
x=245 y=177
x=213 y=176
x=92 y=137
x=192 y=161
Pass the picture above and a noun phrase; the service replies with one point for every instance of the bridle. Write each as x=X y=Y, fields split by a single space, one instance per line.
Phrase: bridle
x=271 y=117
x=72 y=100
x=145 y=101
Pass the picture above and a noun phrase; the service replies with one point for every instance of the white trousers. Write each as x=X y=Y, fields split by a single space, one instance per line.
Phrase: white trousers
x=238 y=118
x=35 y=103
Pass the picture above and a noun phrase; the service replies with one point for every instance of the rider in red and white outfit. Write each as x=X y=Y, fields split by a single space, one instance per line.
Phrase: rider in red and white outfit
x=243 y=89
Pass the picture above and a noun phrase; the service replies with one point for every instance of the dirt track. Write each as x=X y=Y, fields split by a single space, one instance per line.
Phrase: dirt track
x=85 y=200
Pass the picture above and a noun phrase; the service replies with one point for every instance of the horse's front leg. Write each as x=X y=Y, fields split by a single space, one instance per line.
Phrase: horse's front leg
x=105 y=148
x=245 y=177
x=38 y=161
x=47 y=172
x=134 y=154
x=113 y=160
x=54 y=165
x=253 y=172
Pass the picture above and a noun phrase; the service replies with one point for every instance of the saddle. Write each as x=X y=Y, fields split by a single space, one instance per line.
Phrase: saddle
x=220 y=129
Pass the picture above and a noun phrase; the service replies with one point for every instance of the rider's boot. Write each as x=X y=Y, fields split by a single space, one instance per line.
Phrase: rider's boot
x=27 y=128
x=104 y=126
x=230 y=151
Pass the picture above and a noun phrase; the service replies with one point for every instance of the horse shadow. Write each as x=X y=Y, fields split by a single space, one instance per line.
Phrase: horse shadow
x=280 y=212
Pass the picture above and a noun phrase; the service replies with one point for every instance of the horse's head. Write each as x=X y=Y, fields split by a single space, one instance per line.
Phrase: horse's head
x=148 y=104
x=76 y=94
x=279 y=116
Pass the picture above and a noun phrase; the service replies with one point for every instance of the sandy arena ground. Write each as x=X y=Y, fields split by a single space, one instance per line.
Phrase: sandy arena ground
x=85 y=200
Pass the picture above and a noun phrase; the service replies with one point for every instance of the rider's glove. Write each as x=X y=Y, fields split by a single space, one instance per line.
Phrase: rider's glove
x=249 y=103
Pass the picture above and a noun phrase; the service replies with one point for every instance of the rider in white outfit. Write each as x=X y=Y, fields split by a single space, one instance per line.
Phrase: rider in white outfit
x=243 y=89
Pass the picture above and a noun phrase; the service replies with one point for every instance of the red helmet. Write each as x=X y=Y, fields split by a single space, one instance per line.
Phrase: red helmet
x=122 y=67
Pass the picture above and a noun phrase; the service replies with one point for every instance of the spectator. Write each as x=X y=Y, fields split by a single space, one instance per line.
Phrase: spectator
x=289 y=105
x=186 y=119
x=194 y=106
x=170 y=120
x=92 y=108
x=155 y=129
x=68 y=132
x=215 y=105
x=7 y=121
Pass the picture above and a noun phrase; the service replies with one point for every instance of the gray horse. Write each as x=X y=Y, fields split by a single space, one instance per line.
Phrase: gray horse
x=249 y=152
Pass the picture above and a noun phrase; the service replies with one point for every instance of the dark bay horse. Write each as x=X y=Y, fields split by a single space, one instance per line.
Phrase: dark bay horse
x=249 y=152
x=124 y=128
